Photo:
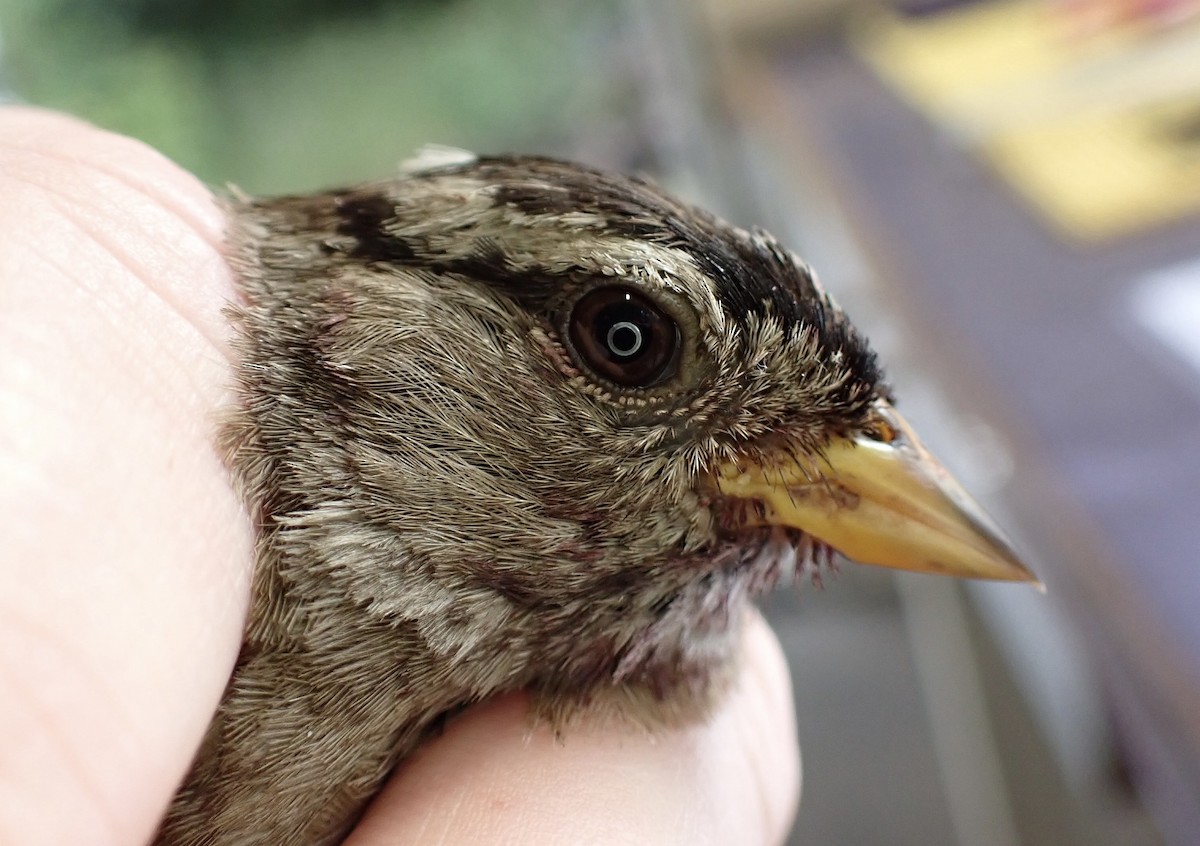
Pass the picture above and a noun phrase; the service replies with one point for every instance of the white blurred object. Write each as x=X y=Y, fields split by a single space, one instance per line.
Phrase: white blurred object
x=1167 y=304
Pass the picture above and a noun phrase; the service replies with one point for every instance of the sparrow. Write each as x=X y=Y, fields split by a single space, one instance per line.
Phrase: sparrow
x=512 y=423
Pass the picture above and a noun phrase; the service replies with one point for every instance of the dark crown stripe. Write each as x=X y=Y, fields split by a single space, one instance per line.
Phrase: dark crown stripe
x=755 y=277
x=364 y=218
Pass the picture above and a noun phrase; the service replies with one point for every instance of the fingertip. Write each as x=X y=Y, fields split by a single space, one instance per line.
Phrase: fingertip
x=767 y=713
x=127 y=554
x=489 y=778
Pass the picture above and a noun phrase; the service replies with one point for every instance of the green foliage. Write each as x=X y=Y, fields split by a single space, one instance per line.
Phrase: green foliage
x=278 y=104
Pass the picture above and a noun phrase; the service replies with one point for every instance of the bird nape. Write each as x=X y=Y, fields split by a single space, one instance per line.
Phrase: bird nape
x=512 y=423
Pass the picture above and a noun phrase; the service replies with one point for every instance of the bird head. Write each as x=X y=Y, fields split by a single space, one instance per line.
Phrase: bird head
x=566 y=425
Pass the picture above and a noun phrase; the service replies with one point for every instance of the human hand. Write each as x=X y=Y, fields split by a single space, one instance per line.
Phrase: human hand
x=126 y=562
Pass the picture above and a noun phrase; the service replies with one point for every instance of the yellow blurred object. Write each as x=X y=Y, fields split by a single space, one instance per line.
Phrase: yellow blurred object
x=1099 y=130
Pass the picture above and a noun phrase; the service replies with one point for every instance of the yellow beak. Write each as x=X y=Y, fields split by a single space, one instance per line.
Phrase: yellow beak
x=887 y=502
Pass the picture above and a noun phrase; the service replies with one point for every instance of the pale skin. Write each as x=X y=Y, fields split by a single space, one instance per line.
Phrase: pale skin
x=126 y=556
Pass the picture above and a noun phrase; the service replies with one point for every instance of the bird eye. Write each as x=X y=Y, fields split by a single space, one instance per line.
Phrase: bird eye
x=624 y=337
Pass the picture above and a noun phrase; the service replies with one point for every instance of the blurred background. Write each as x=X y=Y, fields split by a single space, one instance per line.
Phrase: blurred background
x=1004 y=193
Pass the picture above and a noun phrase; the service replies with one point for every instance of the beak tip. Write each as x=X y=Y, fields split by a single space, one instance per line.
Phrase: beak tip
x=1002 y=562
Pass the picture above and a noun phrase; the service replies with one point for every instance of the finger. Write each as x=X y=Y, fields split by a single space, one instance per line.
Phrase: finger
x=487 y=779
x=123 y=576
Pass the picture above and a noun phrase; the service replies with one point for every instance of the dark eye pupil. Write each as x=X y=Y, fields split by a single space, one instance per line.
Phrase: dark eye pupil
x=624 y=339
x=623 y=336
